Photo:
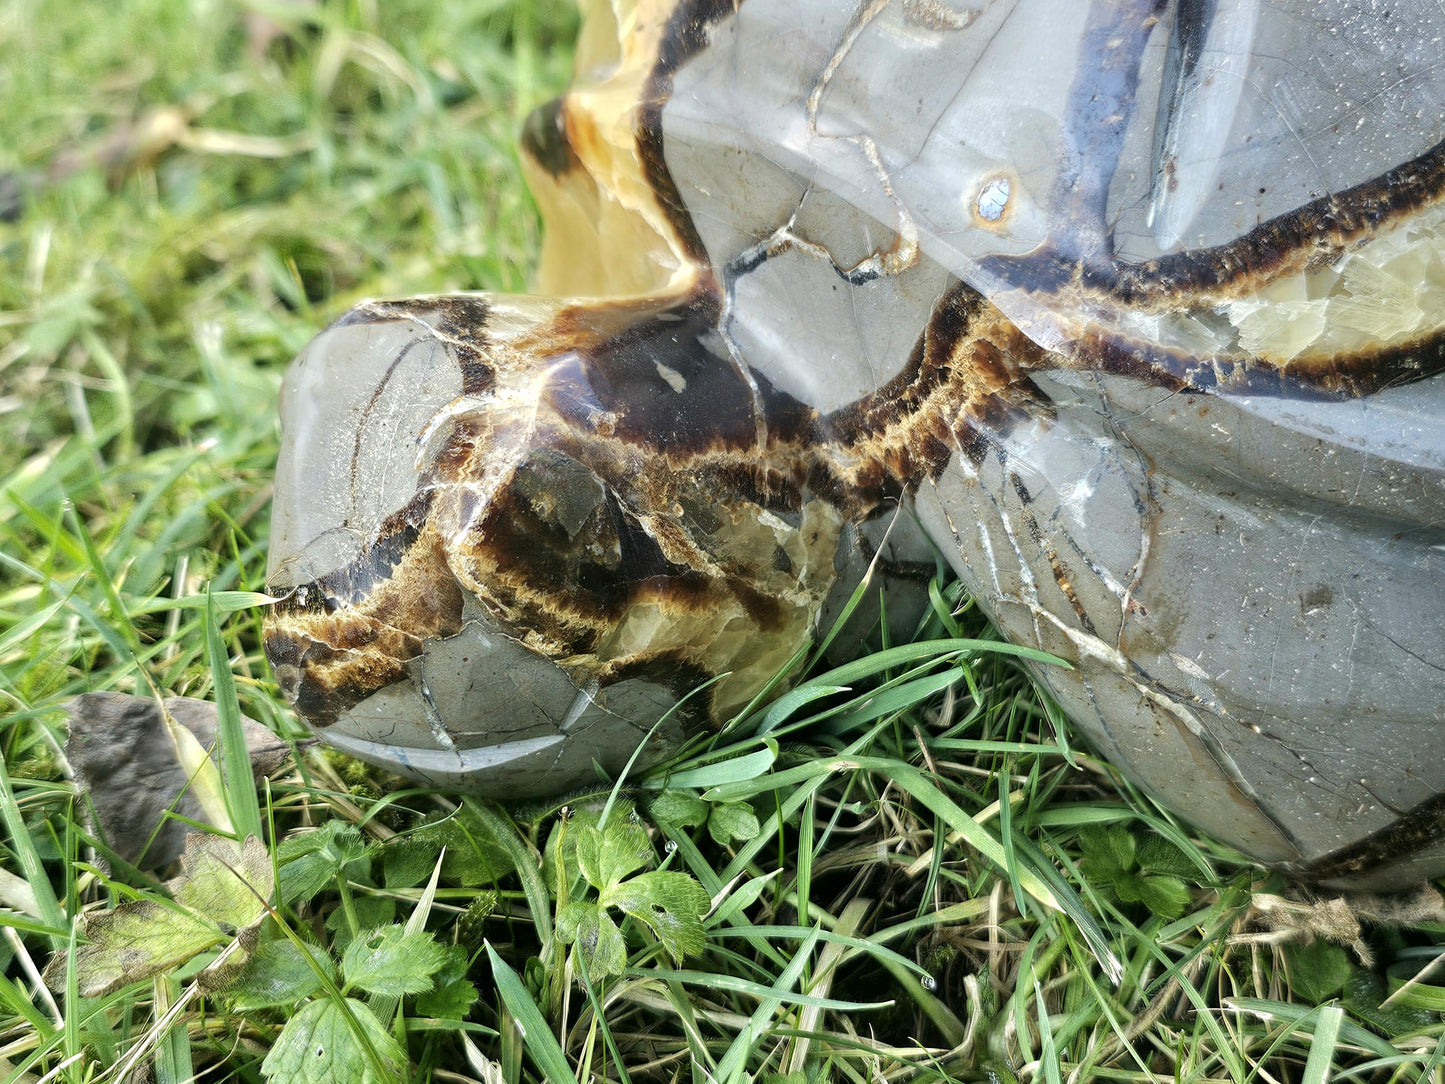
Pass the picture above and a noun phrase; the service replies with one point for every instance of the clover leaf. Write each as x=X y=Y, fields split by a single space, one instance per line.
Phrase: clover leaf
x=730 y=821
x=675 y=810
x=1317 y=970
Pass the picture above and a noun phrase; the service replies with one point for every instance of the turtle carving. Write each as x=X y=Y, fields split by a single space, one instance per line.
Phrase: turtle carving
x=1132 y=309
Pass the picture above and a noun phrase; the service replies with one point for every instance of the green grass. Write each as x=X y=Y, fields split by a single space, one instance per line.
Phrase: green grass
x=920 y=883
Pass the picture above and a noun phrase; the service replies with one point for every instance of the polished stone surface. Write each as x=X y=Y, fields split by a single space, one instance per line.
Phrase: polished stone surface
x=1136 y=309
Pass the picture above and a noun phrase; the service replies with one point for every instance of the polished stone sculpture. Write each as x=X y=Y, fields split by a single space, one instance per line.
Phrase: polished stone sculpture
x=1135 y=307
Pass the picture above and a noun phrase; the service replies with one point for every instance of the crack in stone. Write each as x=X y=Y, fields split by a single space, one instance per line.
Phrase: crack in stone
x=904 y=253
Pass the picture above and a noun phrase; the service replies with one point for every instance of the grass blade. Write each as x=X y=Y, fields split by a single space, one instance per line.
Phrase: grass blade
x=536 y=1036
x=47 y=905
x=235 y=756
x=722 y=772
x=733 y=1063
x=1303 y=1016
x=1322 y=1049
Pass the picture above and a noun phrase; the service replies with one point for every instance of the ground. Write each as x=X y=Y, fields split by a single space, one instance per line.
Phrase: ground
x=920 y=881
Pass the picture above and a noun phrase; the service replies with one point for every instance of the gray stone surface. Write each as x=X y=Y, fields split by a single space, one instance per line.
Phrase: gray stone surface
x=1249 y=577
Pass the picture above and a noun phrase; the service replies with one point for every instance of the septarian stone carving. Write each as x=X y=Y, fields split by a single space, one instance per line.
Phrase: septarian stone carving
x=1135 y=307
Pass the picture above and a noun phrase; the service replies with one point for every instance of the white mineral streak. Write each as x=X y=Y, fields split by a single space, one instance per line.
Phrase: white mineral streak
x=675 y=380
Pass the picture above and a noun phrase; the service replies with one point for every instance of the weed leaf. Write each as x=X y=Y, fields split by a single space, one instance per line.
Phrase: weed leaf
x=310 y=861
x=453 y=994
x=1167 y=897
x=609 y=854
x=278 y=973
x=318 y=1044
x=220 y=894
x=133 y=942
x=596 y=936
x=392 y=962
x=671 y=904
x=473 y=855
